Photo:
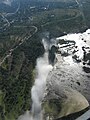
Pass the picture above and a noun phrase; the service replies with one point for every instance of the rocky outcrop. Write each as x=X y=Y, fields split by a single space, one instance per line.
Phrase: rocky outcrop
x=64 y=85
x=68 y=84
x=62 y=101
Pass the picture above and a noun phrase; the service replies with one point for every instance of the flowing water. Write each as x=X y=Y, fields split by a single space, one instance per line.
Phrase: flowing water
x=37 y=93
x=43 y=68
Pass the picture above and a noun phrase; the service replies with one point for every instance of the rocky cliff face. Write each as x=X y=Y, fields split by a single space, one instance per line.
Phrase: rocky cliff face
x=68 y=84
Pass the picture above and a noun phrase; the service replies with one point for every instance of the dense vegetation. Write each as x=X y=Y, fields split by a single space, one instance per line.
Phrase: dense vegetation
x=17 y=70
x=17 y=77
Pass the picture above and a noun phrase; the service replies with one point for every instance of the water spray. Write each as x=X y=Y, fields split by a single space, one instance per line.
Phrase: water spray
x=37 y=92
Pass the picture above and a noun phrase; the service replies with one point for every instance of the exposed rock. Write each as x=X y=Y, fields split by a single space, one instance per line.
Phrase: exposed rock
x=61 y=101
x=67 y=84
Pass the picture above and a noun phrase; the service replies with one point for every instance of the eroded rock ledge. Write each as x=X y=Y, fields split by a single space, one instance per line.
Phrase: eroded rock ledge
x=68 y=84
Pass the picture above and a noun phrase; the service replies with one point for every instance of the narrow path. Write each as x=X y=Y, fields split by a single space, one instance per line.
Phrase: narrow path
x=4 y=18
x=9 y=14
x=63 y=20
x=22 y=41
x=80 y=6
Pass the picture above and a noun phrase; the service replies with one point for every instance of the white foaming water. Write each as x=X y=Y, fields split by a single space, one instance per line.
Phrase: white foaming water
x=43 y=68
x=81 y=39
x=37 y=93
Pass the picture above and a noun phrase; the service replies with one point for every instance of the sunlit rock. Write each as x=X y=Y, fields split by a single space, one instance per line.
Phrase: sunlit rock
x=61 y=101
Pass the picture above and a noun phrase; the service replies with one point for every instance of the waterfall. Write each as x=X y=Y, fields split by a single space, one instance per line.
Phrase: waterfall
x=37 y=92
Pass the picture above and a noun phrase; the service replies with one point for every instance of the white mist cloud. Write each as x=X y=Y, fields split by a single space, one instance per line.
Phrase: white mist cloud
x=26 y=116
x=38 y=89
x=43 y=68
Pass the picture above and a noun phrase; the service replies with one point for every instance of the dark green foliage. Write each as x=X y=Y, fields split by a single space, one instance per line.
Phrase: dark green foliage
x=16 y=72
x=17 y=78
